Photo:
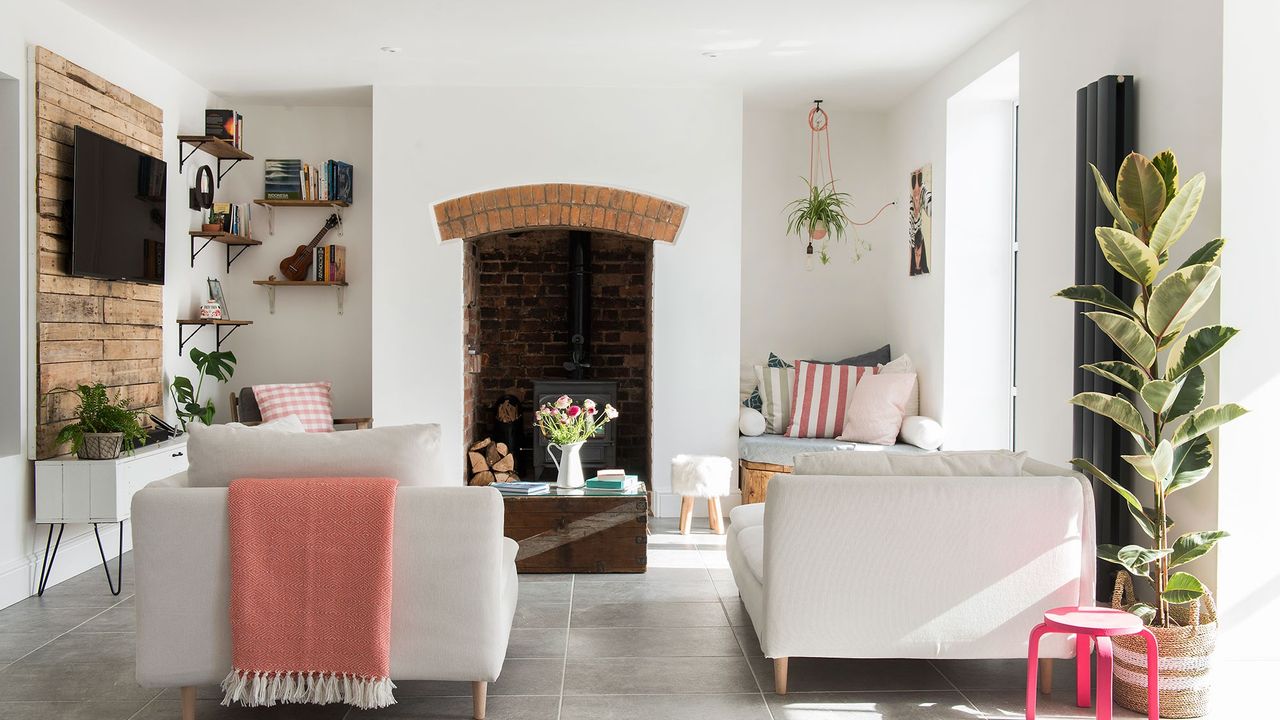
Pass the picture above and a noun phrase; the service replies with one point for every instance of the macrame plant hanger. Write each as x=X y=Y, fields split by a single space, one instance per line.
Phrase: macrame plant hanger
x=820 y=145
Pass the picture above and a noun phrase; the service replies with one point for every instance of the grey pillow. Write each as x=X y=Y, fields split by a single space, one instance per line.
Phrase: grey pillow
x=880 y=356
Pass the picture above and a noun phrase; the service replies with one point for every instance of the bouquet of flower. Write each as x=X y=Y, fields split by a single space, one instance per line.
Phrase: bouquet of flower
x=563 y=422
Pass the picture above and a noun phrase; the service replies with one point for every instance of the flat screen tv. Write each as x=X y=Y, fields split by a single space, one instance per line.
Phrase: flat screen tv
x=117 y=211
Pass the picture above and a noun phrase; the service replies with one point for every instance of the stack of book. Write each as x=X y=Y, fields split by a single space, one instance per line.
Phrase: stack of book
x=615 y=480
x=523 y=488
x=297 y=180
x=331 y=263
x=235 y=218
x=225 y=124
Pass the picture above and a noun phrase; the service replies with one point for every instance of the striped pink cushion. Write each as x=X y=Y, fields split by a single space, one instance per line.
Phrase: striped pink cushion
x=819 y=398
x=311 y=402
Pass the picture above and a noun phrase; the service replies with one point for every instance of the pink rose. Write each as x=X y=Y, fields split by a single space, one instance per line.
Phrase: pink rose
x=591 y=410
x=563 y=402
x=610 y=412
x=574 y=411
x=588 y=404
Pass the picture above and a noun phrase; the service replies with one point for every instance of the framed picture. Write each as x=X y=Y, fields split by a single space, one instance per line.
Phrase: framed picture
x=920 y=221
x=215 y=294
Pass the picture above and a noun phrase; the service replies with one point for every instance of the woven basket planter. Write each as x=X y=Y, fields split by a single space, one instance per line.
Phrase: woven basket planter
x=1186 y=650
x=101 y=446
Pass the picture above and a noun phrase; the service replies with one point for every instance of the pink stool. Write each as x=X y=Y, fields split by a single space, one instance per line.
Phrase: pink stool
x=1101 y=624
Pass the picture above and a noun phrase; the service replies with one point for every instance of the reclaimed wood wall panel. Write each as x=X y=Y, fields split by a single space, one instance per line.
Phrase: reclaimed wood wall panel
x=87 y=330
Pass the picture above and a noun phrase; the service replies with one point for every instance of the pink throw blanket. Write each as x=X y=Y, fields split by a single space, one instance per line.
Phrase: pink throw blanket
x=311 y=591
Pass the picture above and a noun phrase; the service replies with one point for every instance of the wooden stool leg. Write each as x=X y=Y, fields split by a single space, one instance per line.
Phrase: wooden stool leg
x=479 y=693
x=1046 y=676
x=780 y=676
x=1104 y=677
x=713 y=510
x=189 y=703
x=1033 y=657
x=1083 y=680
x=686 y=514
x=1153 y=675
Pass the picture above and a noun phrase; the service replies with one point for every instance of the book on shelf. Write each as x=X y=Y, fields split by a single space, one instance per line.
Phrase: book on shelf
x=331 y=263
x=235 y=218
x=225 y=125
x=282 y=179
x=522 y=488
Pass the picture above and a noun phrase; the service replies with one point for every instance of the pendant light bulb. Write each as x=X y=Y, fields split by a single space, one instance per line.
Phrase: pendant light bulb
x=808 y=258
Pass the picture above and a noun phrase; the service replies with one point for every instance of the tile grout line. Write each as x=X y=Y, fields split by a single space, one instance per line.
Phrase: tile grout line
x=568 y=630
x=57 y=637
x=955 y=687
x=741 y=647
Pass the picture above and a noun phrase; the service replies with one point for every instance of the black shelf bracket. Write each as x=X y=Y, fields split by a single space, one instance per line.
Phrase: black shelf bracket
x=182 y=159
x=222 y=172
x=194 y=251
x=217 y=331
x=232 y=258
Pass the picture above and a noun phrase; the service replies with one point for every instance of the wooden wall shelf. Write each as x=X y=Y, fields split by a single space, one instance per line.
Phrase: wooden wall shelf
x=215 y=146
x=271 y=285
x=199 y=323
x=240 y=242
x=271 y=205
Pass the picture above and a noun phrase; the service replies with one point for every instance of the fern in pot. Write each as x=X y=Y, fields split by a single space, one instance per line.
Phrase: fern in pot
x=820 y=214
x=103 y=427
x=1163 y=386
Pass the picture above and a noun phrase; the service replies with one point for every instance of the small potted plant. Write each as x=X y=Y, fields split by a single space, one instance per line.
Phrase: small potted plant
x=819 y=213
x=103 y=427
x=569 y=427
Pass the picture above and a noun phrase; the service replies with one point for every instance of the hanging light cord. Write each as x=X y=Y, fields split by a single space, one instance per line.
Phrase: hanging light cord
x=884 y=207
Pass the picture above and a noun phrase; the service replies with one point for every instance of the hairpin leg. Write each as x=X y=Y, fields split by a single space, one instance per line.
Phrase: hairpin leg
x=46 y=567
x=115 y=589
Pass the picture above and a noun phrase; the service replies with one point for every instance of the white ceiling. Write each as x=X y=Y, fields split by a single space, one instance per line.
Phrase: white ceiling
x=867 y=53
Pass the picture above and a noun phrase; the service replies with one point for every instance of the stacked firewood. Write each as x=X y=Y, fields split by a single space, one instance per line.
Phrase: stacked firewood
x=491 y=462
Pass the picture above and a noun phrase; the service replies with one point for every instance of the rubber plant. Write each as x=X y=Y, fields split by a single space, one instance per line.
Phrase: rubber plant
x=1164 y=368
x=819 y=212
x=186 y=395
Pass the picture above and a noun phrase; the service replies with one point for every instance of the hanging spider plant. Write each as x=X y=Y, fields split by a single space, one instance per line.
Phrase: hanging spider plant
x=821 y=212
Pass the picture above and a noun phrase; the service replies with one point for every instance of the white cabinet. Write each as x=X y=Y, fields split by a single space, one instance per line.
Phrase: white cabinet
x=70 y=490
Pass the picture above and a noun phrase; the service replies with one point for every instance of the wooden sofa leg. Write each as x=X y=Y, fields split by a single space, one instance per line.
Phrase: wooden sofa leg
x=479 y=692
x=1045 y=681
x=189 y=702
x=780 y=676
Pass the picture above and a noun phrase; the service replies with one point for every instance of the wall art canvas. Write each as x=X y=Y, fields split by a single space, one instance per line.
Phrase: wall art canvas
x=920 y=220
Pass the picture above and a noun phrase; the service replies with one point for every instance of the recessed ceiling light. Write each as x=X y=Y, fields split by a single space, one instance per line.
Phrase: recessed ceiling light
x=389 y=49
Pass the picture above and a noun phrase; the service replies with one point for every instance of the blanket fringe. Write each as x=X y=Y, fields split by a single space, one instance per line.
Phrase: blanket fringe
x=265 y=689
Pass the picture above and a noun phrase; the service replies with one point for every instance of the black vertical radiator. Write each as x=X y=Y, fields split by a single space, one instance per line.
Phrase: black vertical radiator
x=1106 y=119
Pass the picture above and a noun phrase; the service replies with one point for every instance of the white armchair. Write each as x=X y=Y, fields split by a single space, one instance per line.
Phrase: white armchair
x=946 y=555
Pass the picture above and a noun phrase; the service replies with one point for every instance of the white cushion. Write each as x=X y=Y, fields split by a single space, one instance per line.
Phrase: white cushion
x=750 y=421
x=700 y=475
x=408 y=453
x=876 y=408
x=745 y=516
x=751 y=542
x=903 y=364
x=978 y=463
x=923 y=432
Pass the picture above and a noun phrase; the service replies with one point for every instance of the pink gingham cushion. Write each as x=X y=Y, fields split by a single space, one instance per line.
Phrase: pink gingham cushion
x=311 y=402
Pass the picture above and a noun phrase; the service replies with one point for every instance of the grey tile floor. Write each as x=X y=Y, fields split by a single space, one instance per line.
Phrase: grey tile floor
x=674 y=643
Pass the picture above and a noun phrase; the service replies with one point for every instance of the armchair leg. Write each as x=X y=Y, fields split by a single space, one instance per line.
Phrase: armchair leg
x=780 y=676
x=189 y=702
x=479 y=693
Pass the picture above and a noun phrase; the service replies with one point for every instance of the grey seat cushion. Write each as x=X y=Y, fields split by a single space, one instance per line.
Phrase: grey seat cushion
x=782 y=450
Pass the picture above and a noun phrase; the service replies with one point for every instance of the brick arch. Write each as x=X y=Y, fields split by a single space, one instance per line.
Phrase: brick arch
x=559 y=205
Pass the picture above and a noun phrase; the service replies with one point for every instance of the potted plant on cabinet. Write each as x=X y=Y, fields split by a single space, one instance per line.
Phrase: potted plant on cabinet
x=1171 y=431
x=820 y=213
x=103 y=428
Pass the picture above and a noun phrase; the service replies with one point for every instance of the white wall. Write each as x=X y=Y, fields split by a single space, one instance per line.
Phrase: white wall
x=1062 y=47
x=435 y=143
x=306 y=339
x=1248 y=575
x=834 y=311
x=977 y=407
x=98 y=49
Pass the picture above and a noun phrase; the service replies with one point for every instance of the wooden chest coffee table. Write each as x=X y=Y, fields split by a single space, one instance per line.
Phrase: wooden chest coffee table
x=579 y=531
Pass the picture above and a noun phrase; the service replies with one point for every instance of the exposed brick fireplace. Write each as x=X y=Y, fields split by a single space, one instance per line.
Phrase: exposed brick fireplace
x=517 y=287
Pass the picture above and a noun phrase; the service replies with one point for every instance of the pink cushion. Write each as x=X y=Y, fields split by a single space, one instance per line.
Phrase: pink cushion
x=311 y=402
x=877 y=407
x=820 y=395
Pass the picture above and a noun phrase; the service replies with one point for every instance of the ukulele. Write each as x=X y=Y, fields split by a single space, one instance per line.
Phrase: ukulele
x=297 y=265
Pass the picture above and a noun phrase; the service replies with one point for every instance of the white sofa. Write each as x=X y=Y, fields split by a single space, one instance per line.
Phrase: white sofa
x=453 y=595
x=945 y=555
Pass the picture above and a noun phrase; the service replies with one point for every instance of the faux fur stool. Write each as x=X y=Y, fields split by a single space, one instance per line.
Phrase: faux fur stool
x=700 y=476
